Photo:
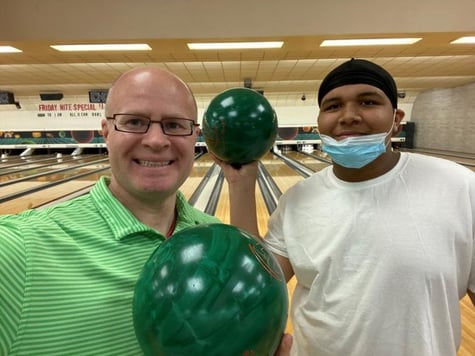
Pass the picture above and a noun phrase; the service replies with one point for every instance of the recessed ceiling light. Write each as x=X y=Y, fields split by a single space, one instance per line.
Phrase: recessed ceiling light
x=9 y=49
x=102 y=47
x=468 y=39
x=236 y=45
x=370 y=42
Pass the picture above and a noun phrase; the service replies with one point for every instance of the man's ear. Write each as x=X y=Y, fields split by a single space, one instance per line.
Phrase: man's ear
x=105 y=129
x=398 y=119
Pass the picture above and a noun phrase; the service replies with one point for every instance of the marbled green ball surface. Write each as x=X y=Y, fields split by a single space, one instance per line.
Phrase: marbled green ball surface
x=210 y=290
x=239 y=126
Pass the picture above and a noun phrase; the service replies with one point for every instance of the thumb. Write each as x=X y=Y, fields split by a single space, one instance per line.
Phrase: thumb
x=285 y=345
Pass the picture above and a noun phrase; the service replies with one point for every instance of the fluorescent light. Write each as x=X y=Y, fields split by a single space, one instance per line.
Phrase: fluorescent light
x=9 y=49
x=468 y=39
x=370 y=42
x=236 y=45
x=102 y=47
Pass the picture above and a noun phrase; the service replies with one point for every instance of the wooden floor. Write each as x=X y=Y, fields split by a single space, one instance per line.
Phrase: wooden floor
x=284 y=177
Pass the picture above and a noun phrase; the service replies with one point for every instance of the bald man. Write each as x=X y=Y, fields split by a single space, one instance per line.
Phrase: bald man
x=67 y=273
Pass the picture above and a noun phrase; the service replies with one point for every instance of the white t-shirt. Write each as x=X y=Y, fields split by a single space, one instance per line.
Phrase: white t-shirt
x=382 y=264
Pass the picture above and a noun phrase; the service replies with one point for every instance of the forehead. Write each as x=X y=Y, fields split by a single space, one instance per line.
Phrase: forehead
x=152 y=94
x=354 y=91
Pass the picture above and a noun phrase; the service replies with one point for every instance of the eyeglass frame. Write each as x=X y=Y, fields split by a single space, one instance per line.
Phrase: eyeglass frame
x=193 y=124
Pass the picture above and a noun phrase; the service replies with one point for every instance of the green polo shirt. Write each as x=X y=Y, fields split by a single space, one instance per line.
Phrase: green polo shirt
x=67 y=275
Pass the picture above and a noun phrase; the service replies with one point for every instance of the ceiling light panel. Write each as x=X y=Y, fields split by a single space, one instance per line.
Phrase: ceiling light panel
x=370 y=42
x=102 y=47
x=235 y=45
x=464 y=40
x=9 y=49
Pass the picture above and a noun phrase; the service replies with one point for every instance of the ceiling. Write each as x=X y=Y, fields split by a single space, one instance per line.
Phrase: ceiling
x=285 y=74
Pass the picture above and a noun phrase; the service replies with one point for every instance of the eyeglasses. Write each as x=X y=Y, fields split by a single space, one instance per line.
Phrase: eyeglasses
x=140 y=124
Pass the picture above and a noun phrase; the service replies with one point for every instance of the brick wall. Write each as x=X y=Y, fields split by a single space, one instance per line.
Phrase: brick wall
x=445 y=119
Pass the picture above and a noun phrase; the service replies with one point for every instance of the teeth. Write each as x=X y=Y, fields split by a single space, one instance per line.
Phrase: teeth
x=153 y=164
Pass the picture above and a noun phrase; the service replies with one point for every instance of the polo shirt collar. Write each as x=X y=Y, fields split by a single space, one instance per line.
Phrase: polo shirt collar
x=122 y=222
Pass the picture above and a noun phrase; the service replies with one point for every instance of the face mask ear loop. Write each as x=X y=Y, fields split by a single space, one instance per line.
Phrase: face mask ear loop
x=390 y=132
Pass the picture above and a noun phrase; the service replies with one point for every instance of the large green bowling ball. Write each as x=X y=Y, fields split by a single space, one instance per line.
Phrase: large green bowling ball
x=210 y=290
x=239 y=126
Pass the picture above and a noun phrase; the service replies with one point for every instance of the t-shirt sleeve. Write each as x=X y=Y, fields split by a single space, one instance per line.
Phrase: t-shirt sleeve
x=274 y=237
x=471 y=282
x=12 y=281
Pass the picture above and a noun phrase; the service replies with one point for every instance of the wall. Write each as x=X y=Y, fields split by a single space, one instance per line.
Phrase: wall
x=78 y=113
x=52 y=115
x=74 y=122
x=445 y=119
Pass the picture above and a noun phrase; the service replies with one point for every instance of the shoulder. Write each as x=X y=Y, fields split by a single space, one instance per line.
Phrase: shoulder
x=316 y=181
x=437 y=165
x=13 y=273
x=36 y=222
x=12 y=247
x=10 y=227
x=14 y=224
x=200 y=217
x=438 y=173
x=189 y=215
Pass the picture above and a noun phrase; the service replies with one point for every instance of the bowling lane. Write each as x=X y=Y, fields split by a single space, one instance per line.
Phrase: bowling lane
x=25 y=161
x=284 y=176
x=41 y=197
x=31 y=168
x=71 y=170
x=307 y=160
x=223 y=209
x=48 y=194
x=16 y=159
x=200 y=168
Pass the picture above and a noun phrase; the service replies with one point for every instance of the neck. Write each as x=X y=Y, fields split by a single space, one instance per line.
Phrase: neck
x=157 y=212
x=162 y=219
x=378 y=167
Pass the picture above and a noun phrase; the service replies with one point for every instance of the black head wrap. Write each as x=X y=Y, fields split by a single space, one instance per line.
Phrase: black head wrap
x=359 y=71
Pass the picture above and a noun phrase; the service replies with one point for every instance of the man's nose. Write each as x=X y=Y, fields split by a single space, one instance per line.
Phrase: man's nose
x=155 y=134
x=350 y=113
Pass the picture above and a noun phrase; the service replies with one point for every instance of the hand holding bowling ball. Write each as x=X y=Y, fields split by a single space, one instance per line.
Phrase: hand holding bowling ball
x=210 y=290
x=239 y=126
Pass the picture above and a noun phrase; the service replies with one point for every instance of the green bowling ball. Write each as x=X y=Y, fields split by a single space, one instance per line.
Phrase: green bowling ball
x=210 y=290
x=239 y=126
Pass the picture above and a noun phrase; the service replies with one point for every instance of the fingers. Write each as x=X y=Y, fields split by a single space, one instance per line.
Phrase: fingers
x=216 y=159
x=236 y=165
x=285 y=345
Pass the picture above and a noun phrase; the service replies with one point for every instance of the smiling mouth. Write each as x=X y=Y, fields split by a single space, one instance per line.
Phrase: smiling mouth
x=153 y=164
x=350 y=133
x=346 y=135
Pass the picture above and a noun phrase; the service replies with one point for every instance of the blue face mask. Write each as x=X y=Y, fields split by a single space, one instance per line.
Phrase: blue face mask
x=355 y=151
